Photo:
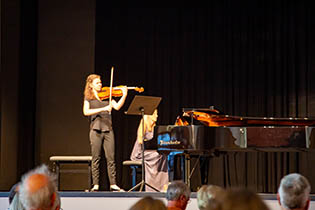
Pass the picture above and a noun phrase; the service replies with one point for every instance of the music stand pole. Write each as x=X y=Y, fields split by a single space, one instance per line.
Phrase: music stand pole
x=143 y=105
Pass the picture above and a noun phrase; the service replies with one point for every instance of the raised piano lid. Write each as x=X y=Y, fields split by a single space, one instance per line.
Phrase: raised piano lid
x=214 y=118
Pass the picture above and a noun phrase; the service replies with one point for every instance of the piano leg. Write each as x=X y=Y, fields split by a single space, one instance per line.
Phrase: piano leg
x=186 y=169
x=173 y=165
x=179 y=167
x=202 y=161
x=204 y=167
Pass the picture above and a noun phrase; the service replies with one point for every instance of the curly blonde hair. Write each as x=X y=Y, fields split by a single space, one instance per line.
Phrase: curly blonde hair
x=88 y=93
x=210 y=197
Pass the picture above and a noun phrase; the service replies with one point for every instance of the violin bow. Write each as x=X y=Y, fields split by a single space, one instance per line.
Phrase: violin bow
x=111 y=85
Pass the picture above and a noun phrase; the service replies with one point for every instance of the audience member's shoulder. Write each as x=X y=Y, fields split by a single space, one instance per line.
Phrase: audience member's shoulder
x=15 y=204
x=13 y=191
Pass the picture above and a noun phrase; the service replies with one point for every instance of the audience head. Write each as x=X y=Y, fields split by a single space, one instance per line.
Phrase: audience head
x=38 y=190
x=178 y=194
x=293 y=192
x=210 y=197
x=243 y=199
x=148 y=203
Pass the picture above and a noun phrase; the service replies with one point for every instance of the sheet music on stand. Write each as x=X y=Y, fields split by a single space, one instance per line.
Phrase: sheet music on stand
x=147 y=103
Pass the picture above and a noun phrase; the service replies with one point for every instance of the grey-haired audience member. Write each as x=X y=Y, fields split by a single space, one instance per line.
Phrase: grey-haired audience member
x=210 y=197
x=37 y=190
x=177 y=195
x=294 y=192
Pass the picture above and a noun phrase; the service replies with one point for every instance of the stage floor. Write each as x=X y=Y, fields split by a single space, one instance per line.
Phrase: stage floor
x=123 y=200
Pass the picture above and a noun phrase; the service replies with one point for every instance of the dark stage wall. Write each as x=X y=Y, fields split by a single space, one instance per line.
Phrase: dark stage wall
x=48 y=50
x=249 y=59
x=10 y=30
x=66 y=41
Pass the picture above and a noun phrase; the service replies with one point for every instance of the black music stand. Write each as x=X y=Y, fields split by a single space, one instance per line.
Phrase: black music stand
x=142 y=105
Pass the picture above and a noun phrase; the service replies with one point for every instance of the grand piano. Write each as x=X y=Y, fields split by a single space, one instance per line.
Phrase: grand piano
x=210 y=132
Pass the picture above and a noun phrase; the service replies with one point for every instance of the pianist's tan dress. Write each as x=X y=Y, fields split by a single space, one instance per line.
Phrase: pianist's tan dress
x=156 y=173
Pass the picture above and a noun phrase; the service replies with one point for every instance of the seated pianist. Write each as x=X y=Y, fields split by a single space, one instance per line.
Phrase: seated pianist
x=156 y=174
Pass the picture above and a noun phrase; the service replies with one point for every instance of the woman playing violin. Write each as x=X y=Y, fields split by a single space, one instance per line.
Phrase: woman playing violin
x=101 y=131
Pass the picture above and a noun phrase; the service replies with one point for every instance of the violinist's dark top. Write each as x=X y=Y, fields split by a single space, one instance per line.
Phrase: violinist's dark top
x=101 y=121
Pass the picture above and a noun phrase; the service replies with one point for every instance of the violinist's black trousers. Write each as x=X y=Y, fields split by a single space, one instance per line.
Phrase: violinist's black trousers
x=105 y=140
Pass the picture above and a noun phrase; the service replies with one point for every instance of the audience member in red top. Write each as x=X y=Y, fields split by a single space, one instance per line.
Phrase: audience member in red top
x=177 y=195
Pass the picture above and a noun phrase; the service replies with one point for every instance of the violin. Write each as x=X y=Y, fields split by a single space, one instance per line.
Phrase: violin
x=116 y=91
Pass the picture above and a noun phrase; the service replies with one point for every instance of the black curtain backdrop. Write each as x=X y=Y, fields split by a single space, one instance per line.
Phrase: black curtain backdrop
x=254 y=58
x=27 y=86
x=18 y=89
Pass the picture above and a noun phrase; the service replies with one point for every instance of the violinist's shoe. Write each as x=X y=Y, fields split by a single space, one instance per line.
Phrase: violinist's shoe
x=95 y=188
x=115 y=188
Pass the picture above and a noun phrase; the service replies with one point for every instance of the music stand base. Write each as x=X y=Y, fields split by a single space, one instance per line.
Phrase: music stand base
x=142 y=184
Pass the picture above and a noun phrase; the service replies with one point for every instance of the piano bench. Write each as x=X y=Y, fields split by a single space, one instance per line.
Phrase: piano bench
x=58 y=160
x=134 y=165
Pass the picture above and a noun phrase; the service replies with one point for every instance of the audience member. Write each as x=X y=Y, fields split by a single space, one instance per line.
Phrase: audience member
x=14 y=189
x=177 y=195
x=14 y=198
x=210 y=197
x=37 y=190
x=148 y=203
x=294 y=192
x=243 y=199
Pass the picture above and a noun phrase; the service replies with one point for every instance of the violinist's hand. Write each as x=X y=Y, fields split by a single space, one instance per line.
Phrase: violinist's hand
x=124 y=90
x=108 y=108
